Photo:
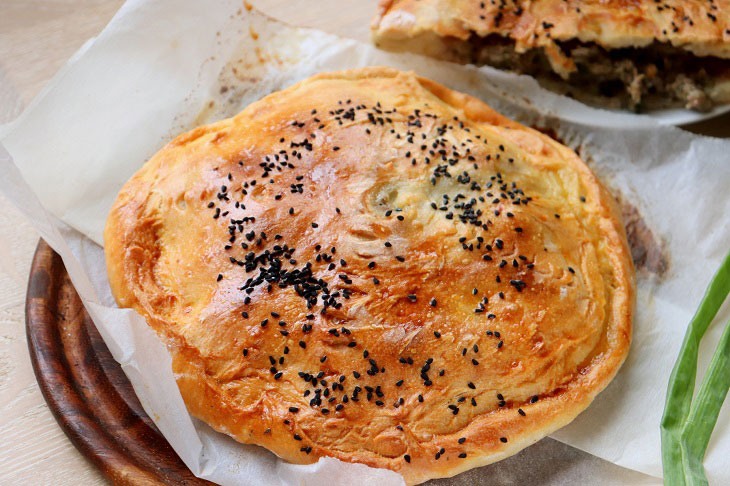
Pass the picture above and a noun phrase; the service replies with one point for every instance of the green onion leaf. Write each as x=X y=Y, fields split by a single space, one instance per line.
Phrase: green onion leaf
x=705 y=409
x=682 y=380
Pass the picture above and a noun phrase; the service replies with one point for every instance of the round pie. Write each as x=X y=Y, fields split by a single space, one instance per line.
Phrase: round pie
x=372 y=267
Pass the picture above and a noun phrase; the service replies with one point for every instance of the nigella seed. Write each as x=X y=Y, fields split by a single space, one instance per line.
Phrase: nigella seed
x=462 y=440
x=407 y=458
x=503 y=439
x=462 y=455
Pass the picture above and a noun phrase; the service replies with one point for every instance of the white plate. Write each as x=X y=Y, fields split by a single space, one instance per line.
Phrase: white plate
x=679 y=116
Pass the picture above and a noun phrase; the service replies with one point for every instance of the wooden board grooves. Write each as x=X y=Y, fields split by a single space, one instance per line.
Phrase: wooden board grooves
x=87 y=391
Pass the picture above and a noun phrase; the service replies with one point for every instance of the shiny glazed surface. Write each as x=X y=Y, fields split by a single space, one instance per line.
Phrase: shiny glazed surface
x=412 y=282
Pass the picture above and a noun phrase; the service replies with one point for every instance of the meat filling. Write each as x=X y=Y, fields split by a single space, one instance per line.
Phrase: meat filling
x=652 y=77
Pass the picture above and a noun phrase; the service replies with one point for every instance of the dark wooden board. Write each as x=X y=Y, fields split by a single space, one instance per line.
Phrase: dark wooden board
x=86 y=390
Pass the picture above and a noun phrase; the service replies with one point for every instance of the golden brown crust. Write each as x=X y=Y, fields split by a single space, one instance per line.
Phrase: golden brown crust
x=699 y=26
x=564 y=316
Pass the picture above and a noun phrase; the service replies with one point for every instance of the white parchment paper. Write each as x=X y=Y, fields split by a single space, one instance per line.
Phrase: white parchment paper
x=164 y=66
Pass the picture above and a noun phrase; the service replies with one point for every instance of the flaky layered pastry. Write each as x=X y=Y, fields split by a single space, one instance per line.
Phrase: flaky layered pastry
x=370 y=266
x=642 y=54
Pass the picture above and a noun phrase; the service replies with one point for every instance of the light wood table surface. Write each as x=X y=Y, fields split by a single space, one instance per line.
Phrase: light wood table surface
x=36 y=38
